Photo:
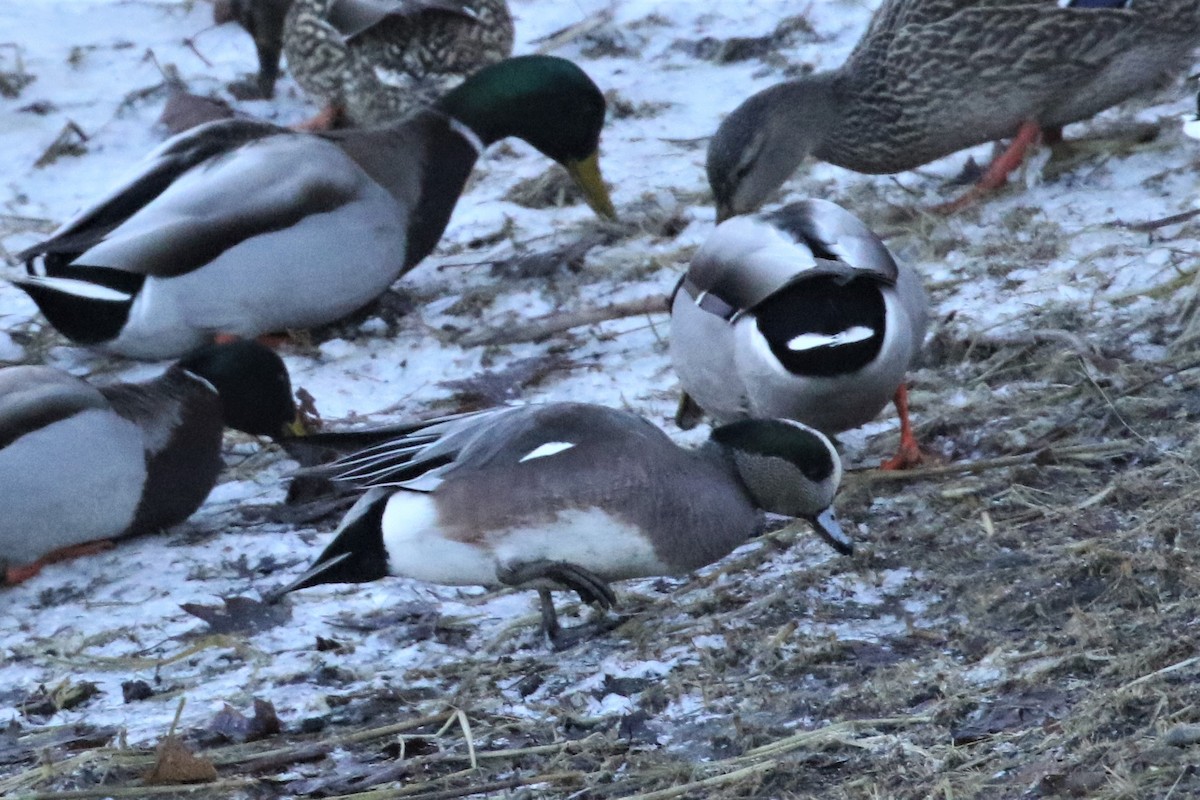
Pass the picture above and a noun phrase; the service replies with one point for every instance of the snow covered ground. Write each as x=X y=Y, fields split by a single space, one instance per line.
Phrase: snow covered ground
x=116 y=618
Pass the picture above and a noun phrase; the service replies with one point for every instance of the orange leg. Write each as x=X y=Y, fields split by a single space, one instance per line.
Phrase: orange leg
x=326 y=119
x=15 y=575
x=1029 y=134
x=909 y=454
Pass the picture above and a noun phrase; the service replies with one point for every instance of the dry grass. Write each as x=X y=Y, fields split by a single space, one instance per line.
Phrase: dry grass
x=1055 y=531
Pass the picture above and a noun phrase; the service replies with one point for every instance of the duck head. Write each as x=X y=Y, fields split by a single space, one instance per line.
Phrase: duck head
x=547 y=101
x=762 y=142
x=253 y=384
x=788 y=468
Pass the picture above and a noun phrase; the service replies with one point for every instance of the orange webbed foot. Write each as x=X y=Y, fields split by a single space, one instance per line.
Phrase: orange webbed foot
x=23 y=572
x=326 y=119
x=1028 y=135
x=909 y=455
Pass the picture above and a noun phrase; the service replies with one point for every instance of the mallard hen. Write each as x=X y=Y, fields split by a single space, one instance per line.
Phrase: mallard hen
x=375 y=61
x=930 y=77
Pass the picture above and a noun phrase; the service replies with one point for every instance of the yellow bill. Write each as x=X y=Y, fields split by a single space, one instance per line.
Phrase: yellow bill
x=586 y=173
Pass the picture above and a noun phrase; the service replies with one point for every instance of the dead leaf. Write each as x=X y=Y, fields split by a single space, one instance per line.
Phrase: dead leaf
x=66 y=695
x=174 y=763
x=236 y=727
x=505 y=385
x=1018 y=711
x=184 y=110
x=239 y=615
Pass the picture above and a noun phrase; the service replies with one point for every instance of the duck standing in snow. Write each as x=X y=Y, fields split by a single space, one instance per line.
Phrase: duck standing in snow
x=568 y=496
x=931 y=77
x=801 y=313
x=80 y=464
x=243 y=228
x=374 y=61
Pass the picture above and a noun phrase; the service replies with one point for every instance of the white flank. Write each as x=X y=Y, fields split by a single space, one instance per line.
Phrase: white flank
x=547 y=449
x=591 y=537
x=416 y=547
x=810 y=341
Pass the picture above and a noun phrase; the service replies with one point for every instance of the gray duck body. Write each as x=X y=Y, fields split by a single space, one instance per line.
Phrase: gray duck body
x=80 y=463
x=931 y=77
x=473 y=500
x=801 y=313
x=240 y=227
x=106 y=462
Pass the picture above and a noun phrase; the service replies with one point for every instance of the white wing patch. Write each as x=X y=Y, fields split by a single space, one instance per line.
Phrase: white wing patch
x=547 y=449
x=396 y=79
x=84 y=289
x=810 y=341
x=1192 y=127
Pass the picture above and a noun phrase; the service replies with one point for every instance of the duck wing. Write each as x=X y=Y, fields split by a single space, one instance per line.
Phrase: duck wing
x=199 y=195
x=33 y=397
x=149 y=180
x=748 y=259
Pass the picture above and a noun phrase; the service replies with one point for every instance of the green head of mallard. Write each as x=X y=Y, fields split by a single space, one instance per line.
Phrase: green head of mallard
x=253 y=384
x=547 y=101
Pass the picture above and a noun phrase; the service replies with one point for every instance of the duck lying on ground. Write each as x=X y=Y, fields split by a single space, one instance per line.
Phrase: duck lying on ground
x=81 y=464
x=243 y=228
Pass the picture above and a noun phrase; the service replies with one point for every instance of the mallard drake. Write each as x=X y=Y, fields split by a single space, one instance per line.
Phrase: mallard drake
x=568 y=496
x=931 y=77
x=801 y=313
x=82 y=463
x=374 y=61
x=241 y=228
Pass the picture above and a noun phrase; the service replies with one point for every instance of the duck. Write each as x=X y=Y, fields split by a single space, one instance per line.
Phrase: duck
x=931 y=77
x=81 y=465
x=240 y=228
x=568 y=496
x=374 y=61
x=800 y=313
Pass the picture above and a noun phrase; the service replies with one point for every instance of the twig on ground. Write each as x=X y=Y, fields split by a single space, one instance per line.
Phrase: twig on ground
x=543 y=327
x=62 y=144
x=551 y=42
x=1187 y=662
x=1155 y=224
x=1045 y=454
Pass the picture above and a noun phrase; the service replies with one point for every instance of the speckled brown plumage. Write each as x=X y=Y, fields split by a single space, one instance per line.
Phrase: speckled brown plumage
x=937 y=76
x=401 y=62
x=930 y=77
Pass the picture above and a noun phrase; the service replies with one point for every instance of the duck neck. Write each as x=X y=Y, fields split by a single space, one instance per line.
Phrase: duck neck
x=449 y=157
x=721 y=457
x=180 y=419
x=483 y=114
x=423 y=162
x=809 y=109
